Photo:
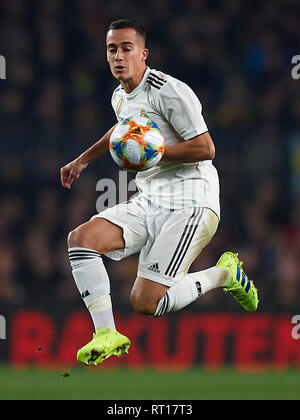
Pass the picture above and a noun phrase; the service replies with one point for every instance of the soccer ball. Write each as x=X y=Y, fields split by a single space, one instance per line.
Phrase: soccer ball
x=136 y=144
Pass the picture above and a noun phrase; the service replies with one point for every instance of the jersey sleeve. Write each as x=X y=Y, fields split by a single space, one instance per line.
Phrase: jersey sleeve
x=115 y=103
x=182 y=109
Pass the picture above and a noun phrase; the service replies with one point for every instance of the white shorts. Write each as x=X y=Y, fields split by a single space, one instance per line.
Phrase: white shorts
x=168 y=240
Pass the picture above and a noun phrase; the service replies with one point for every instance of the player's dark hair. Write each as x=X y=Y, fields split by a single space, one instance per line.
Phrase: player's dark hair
x=129 y=23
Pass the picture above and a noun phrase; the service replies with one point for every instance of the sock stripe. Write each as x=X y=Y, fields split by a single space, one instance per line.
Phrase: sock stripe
x=167 y=304
x=78 y=254
x=162 y=311
x=164 y=306
x=82 y=254
x=82 y=258
x=161 y=304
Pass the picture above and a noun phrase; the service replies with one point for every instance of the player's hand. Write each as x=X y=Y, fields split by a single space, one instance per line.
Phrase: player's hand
x=71 y=172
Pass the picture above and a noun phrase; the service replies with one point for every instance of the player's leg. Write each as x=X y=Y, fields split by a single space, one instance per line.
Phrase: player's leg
x=186 y=288
x=107 y=233
x=98 y=234
x=176 y=239
x=146 y=294
x=227 y=273
x=151 y=298
x=86 y=244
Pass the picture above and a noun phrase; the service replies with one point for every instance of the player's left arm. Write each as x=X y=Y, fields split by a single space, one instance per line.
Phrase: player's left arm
x=179 y=105
x=194 y=150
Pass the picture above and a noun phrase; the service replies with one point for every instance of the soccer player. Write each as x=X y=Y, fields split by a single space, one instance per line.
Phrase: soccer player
x=173 y=217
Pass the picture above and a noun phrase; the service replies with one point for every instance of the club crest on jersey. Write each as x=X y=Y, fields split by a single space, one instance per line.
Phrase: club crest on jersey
x=119 y=107
x=143 y=113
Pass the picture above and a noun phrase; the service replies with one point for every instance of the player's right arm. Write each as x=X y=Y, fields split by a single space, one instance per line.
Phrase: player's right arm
x=72 y=171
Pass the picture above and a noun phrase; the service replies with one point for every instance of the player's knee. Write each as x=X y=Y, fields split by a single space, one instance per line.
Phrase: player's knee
x=75 y=238
x=143 y=309
x=143 y=306
x=79 y=237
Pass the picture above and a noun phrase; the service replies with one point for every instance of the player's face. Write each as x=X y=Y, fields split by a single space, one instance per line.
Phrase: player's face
x=126 y=53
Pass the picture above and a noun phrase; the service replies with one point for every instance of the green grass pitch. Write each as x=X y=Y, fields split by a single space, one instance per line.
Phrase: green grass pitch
x=80 y=383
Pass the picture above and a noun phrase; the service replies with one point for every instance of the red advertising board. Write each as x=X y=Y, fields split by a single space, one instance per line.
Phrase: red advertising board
x=246 y=341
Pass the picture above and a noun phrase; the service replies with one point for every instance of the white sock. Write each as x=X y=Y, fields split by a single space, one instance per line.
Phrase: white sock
x=93 y=284
x=211 y=278
x=190 y=288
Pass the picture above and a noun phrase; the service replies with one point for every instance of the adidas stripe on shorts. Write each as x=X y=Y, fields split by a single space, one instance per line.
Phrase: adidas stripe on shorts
x=168 y=240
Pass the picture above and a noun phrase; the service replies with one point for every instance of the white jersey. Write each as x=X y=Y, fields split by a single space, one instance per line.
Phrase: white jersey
x=175 y=108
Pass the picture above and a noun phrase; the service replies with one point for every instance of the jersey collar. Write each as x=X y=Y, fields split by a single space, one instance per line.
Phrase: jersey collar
x=140 y=86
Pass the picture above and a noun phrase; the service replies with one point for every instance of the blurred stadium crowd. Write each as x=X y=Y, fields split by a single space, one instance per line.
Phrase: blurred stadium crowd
x=236 y=55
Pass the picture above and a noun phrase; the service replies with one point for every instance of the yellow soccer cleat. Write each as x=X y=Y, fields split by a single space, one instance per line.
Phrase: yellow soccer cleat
x=105 y=343
x=238 y=284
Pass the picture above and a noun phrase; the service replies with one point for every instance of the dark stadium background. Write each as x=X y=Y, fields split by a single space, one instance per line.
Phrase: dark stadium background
x=55 y=102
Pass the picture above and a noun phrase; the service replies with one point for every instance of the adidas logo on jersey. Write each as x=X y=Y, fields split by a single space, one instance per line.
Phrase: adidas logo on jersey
x=154 y=267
